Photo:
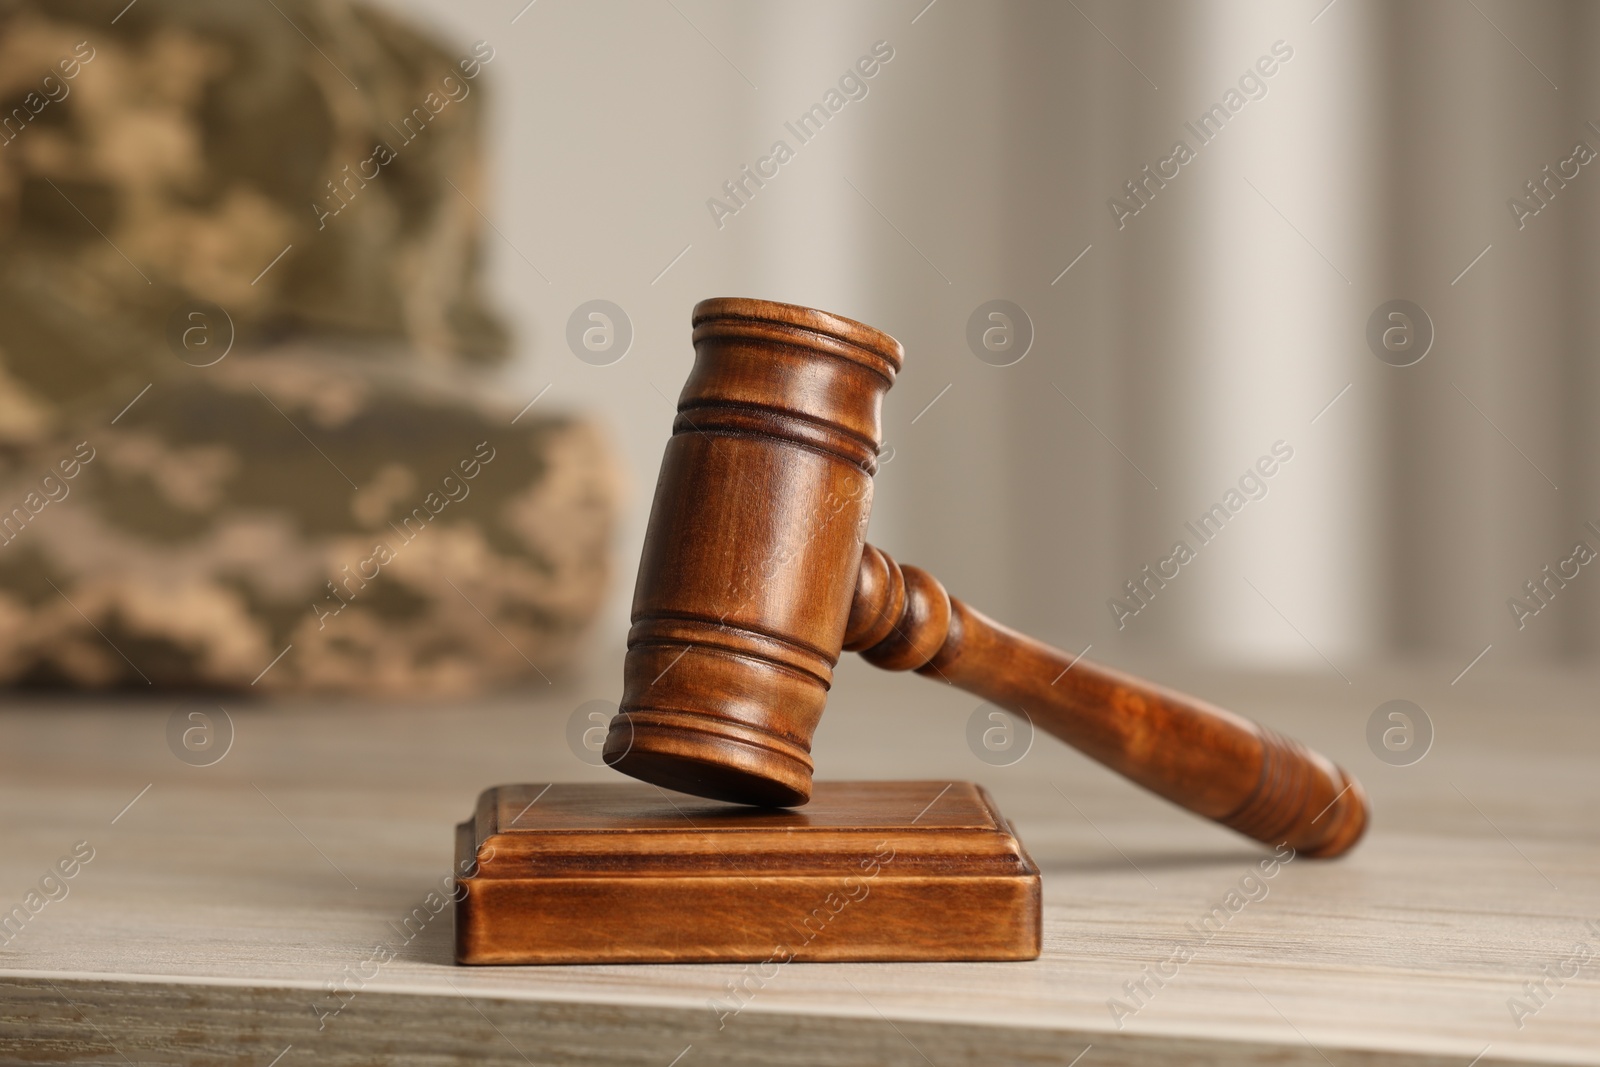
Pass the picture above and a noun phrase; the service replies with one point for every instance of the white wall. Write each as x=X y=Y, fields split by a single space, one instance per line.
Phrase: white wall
x=1219 y=320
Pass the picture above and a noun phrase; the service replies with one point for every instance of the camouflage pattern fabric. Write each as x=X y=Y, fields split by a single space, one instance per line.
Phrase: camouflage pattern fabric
x=241 y=341
x=400 y=539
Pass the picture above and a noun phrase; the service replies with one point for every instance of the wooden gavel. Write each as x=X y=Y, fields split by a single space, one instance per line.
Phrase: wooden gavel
x=756 y=574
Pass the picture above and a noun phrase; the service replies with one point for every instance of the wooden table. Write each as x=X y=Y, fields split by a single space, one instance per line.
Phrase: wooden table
x=221 y=907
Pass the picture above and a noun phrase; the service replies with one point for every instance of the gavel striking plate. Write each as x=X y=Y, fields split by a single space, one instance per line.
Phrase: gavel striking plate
x=755 y=576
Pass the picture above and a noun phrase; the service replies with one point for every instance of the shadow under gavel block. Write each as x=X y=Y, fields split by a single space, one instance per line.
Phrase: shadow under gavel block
x=629 y=873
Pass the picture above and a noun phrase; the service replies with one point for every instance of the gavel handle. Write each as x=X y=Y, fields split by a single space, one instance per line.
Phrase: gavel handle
x=1200 y=757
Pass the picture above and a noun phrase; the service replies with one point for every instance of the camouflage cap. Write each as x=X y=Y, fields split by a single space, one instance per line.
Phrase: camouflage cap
x=241 y=440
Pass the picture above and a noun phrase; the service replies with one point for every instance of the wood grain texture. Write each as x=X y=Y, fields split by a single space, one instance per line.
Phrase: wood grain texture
x=622 y=872
x=1199 y=756
x=748 y=568
x=756 y=574
x=214 y=916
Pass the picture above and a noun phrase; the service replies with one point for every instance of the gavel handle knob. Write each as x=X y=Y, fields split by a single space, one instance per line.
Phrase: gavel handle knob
x=1198 y=756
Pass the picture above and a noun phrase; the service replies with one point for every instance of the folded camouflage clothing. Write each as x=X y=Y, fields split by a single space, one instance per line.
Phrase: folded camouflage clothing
x=243 y=440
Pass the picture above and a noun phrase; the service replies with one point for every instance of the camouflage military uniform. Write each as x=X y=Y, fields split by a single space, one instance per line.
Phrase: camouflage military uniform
x=241 y=341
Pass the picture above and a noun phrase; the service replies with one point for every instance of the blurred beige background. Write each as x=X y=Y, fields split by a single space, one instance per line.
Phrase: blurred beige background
x=1230 y=313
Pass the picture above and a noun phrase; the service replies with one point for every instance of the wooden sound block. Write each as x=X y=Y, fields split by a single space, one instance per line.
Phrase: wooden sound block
x=624 y=872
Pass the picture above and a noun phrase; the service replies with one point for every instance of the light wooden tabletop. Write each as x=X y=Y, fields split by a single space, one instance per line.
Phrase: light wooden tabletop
x=221 y=907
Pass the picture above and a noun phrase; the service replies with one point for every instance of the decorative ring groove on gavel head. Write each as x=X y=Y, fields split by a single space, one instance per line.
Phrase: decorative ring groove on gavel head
x=749 y=564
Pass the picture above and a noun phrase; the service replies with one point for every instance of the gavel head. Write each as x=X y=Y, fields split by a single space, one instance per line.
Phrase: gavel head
x=750 y=558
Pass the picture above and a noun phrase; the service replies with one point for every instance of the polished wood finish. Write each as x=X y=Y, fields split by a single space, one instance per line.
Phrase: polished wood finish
x=748 y=571
x=756 y=574
x=622 y=872
x=1201 y=757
